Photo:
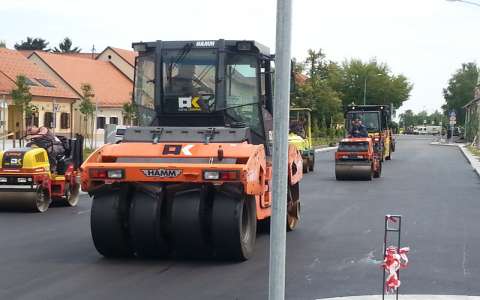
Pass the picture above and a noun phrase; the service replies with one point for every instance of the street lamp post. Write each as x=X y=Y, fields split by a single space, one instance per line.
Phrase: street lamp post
x=278 y=221
x=465 y=1
x=3 y=117
x=365 y=88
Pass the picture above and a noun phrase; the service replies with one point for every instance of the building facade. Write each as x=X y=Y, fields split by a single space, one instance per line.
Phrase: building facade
x=110 y=75
x=472 y=119
x=55 y=81
x=47 y=94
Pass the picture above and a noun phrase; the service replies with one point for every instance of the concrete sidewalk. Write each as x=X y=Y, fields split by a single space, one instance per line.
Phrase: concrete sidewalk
x=408 y=297
x=472 y=159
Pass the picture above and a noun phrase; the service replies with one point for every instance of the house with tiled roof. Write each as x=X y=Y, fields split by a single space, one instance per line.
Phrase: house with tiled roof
x=112 y=86
x=47 y=92
x=123 y=59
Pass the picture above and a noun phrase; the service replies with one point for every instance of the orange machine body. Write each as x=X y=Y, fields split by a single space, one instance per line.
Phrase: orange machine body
x=242 y=163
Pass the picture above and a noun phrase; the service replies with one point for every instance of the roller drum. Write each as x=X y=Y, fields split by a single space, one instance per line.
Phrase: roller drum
x=34 y=201
x=353 y=170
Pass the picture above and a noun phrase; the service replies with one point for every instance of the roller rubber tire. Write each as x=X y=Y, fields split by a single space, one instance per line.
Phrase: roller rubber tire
x=293 y=207
x=109 y=233
x=389 y=157
x=189 y=224
x=377 y=174
x=146 y=229
x=234 y=226
x=306 y=165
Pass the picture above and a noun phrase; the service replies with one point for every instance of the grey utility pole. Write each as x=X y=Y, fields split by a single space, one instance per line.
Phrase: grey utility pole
x=365 y=92
x=365 y=88
x=280 y=151
x=466 y=1
x=3 y=118
x=54 y=110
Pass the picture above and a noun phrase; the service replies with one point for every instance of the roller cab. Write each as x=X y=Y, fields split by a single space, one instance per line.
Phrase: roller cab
x=376 y=119
x=194 y=178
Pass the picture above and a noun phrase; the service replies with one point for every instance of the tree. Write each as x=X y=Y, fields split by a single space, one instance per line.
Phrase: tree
x=32 y=44
x=383 y=87
x=317 y=92
x=460 y=90
x=87 y=108
x=409 y=119
x=3 y=44
x=22 y=99
x=331 y=86
x=130 y=112
x=65 y=46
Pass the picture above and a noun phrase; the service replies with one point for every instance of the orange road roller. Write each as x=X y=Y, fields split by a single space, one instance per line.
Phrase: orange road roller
x=194 y=178
x=356 y=159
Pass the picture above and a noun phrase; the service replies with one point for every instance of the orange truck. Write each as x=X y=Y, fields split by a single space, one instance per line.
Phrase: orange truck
x=194 y=178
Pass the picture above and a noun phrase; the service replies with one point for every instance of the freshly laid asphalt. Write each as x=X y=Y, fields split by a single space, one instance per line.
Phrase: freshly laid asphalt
x=335 y=251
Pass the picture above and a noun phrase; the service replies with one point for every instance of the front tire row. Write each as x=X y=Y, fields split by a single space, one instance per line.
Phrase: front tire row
x=191 y=222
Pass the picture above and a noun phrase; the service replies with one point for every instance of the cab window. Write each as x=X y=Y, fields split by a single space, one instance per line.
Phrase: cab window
x=242 y=91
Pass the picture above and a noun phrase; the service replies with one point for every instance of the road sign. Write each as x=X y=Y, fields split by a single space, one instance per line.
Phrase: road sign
x=452 y=114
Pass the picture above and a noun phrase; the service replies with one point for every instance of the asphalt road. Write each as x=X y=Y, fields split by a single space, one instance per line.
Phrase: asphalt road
x=335 y=251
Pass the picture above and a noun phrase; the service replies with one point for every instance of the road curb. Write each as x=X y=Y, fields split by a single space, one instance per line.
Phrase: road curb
x=444 y=144
x=325 y=149
x=472 y=160
x=408 y=297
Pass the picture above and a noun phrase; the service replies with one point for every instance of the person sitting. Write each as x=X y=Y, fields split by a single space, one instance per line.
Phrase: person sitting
x=297 y=128
x=358 y=129
x=52 y=144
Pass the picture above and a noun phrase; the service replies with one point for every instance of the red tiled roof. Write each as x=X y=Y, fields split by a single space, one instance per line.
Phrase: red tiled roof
x=110 y=86
x=6 y=84
x=13 y=63
x=26 y=53
x=128 y=55
x=300 y=78
x=81 y=55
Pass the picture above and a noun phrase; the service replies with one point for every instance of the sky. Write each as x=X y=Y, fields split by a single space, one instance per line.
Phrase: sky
x=425 y=40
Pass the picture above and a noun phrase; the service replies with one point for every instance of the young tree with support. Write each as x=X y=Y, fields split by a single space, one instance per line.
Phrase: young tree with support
x=87 y=108
x=22 y=99
x=129 y=112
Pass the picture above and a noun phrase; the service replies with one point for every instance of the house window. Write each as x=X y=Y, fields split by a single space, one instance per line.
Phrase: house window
x=32 y=120
x=65 y=120
x=45 y=82
x=48 y=120
x=30 y=82
x=100 y=122
x=113 y=120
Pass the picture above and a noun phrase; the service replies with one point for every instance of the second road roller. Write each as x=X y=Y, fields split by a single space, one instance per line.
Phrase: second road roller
x=31 y=179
